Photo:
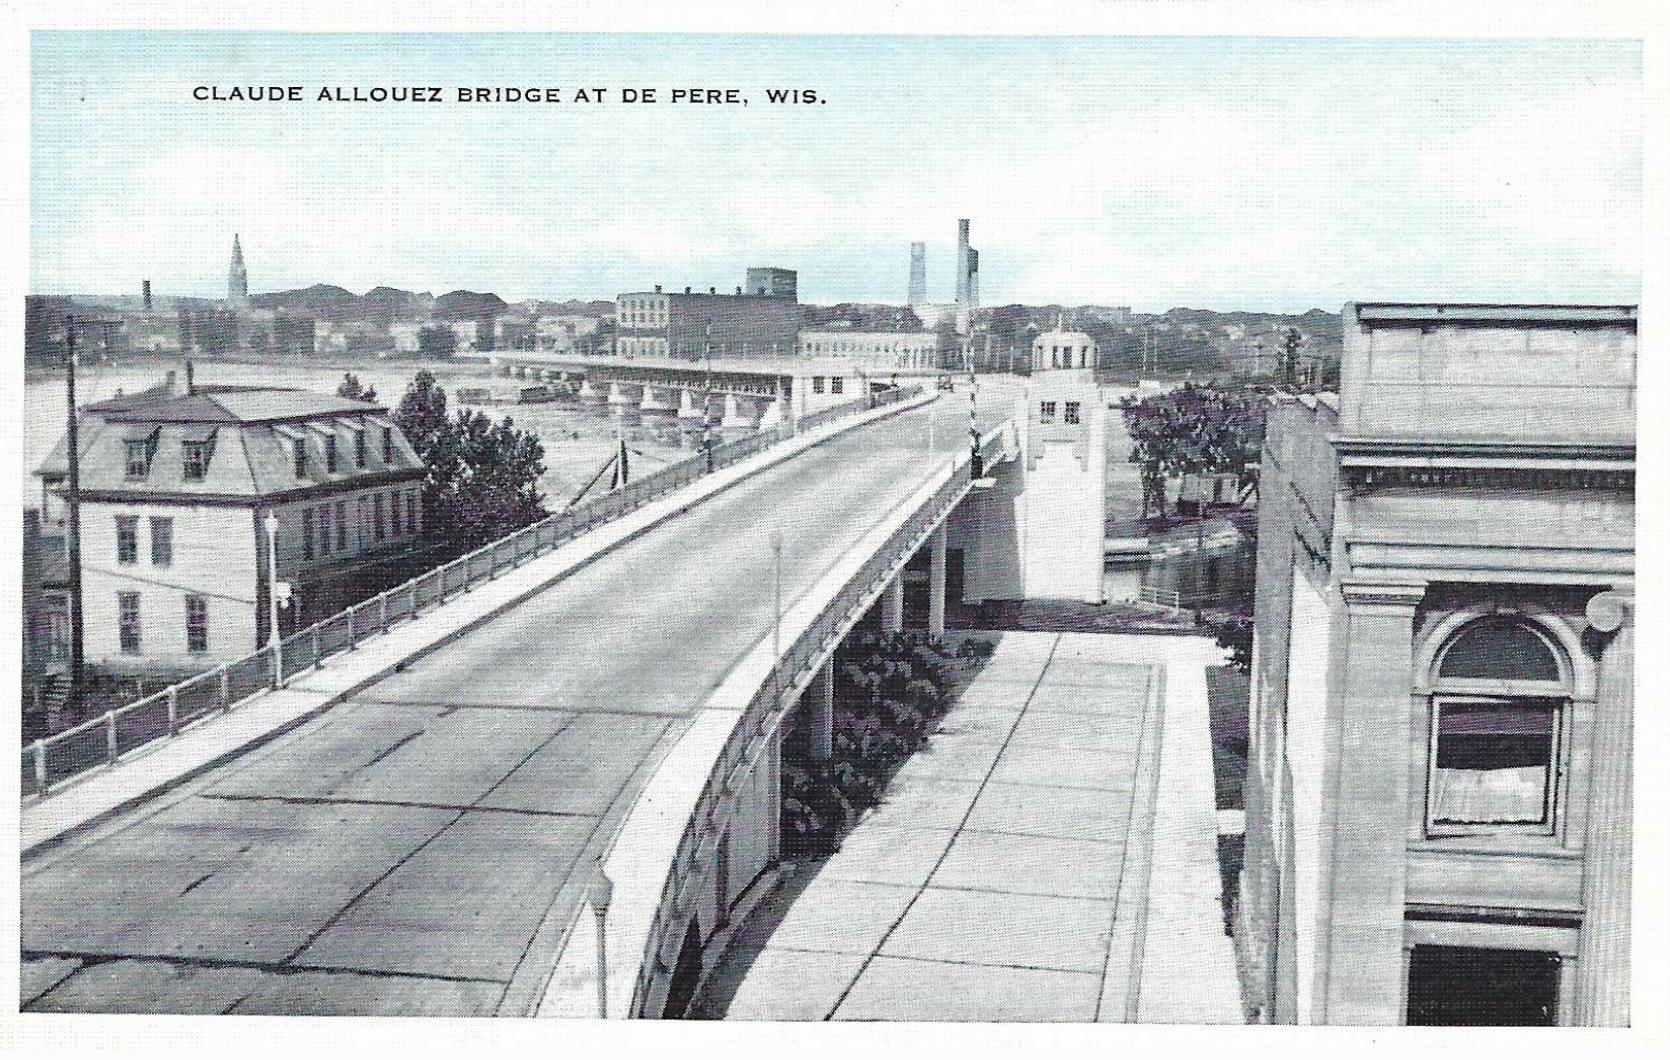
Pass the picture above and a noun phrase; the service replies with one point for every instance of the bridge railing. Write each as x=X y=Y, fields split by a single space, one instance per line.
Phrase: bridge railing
x=105 y=739
x=698 y=845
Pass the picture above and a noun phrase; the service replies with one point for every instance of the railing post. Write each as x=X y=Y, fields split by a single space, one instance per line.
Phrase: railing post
x=173 y=710
x=412 y=603
x=317 y=661
x=278 y=661
x=40 y=767
x=225 y=688
x=383 y=612
x=110 y=736
x=351 y=631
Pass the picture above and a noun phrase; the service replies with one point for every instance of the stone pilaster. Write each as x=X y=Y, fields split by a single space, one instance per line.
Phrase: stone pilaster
x=1362 y=930
x=1602 y=988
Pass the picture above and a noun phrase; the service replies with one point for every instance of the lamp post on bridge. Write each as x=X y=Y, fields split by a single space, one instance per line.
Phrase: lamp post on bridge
x=271 y=524
x=599 y=894
x=777 y=610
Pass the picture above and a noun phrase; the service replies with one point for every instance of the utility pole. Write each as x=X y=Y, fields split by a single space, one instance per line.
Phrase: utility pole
x=1290 y=358
x=77 y=646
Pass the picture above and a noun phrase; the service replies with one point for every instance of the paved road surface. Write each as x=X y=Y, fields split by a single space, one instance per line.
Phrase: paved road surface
x=400 y=853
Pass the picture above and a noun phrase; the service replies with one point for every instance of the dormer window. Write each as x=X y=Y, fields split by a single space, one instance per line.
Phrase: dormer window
x=138 y=461
x=299 y=451
x=359 y=448
x=330 y=454
x=194 y=460
x=388 y=445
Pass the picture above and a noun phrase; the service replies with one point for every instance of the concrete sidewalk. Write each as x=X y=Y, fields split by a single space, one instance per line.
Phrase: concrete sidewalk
x=1042 y=859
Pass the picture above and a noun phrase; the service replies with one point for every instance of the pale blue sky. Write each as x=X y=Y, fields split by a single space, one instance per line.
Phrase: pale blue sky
x=1151 y=172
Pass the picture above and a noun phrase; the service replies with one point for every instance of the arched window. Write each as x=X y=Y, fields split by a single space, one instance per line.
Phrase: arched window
x=1501 y=693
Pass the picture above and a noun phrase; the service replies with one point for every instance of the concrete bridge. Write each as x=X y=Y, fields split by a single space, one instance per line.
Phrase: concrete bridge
x=744 y=391
x=433 y=842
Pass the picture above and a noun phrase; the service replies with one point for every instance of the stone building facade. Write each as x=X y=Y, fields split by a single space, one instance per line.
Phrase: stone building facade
x=1438 y=792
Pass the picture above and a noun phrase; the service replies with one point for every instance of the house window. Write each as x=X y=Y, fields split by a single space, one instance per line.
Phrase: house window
x=817 y=384
x=307 y=533
x=1499 y=708
x=127 y=622
x=330 y=454
x=394 y=514
x=411 y=511
x=1046 y=412
x=837 y=385
x=377 y=516
x=162 y=541
x=342 y=526
x=1071 y=413
x=324 y=520
x=388 y=445
x=299 y=452
x=127 y=539
x=138 y=462
x=195 y=457
x=197 y=624
x=359 y=448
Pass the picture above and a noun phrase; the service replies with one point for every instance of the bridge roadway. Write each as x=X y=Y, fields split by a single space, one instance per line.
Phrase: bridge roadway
x=419 y=848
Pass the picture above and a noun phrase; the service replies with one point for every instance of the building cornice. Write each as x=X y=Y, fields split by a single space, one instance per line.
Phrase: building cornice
x=251 y=500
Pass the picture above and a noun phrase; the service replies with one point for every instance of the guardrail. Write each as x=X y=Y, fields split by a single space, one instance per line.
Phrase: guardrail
x=1171 y=598
x=105 y=739
x=698 y=845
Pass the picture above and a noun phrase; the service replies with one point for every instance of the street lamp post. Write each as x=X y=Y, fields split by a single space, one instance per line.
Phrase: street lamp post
x=600 y=893
x=272 y=599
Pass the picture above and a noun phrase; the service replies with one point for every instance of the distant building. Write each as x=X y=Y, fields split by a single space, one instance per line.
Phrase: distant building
x=875 y=351
x=1063 y=349
x=690 y=326
x=175 y=489
x=237 y=277
x=1438 y=794
x=404 y=334
x=773 y=283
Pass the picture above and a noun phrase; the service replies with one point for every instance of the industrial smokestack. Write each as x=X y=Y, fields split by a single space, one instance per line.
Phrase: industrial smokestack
x=962 y=261
x=191 y=385
x=917 y=293
x=145 y=290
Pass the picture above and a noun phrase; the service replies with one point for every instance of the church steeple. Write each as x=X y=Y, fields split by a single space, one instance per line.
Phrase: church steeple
x=237 y=277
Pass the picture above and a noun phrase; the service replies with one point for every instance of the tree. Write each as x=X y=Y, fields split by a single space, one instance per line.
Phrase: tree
x=438 y=341
x=482 y=478
x=1192 y=430
x=352 y=389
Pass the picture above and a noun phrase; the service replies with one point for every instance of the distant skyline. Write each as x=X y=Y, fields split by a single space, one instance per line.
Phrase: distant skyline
x=1225 y=173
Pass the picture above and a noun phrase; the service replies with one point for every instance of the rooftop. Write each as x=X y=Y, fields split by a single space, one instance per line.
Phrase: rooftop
x=227 y=404
x=1529 y=315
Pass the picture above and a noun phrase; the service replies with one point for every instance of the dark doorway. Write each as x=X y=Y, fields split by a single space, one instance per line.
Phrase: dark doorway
x=1457 y=986
x=686 y=974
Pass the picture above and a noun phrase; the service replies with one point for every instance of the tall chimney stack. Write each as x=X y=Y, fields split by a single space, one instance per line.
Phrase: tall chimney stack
x=917 y=293
x=191 y=385
x=145 y=289
x=962 y=261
